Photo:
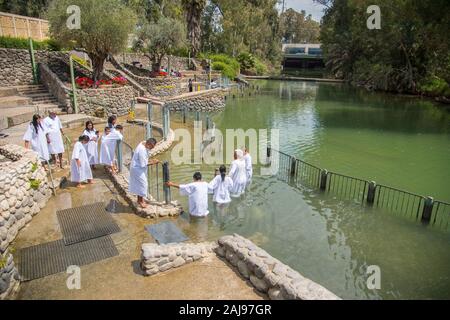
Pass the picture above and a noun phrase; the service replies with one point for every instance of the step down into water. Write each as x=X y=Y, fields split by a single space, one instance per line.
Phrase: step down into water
x=85 y=223
x=166 y=232
x=54 y=257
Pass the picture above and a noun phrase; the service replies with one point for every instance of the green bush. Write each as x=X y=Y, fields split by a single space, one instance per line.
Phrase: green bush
x=22 y=43
x=221 y=62
x=260 y=67
x=35 y=183
x=247 y=61
x=435 y=86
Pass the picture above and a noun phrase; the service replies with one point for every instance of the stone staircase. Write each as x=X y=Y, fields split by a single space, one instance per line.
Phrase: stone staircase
x=19 y=103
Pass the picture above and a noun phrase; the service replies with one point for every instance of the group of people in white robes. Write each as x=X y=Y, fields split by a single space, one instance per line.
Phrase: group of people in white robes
x=45 y=136
x=222 y=186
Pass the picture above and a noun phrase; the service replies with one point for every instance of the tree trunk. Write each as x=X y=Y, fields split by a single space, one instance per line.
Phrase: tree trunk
x=98 y=62
x=156 y=66
x=194 y=11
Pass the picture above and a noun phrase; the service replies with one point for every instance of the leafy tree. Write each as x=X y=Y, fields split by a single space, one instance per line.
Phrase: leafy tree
x=30 y=8
x=193 y=11
x=105 y=28
x=157 y=39
x=297 y=27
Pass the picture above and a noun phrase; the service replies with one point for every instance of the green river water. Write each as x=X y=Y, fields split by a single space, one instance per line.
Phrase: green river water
x=396 y=141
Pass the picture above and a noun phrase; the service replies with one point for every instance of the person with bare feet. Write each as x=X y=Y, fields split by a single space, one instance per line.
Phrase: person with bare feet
x=80 y=169
x=139 y=170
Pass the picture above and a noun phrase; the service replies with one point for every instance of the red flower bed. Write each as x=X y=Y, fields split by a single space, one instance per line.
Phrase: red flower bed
x=86 y=83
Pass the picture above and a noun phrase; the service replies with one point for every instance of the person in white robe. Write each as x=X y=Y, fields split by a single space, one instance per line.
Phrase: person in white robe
x=92 y=146
x=197 y=192
x=112 y=120
x=221 y=187
x=55 y=133
x=248 y=166
x=80 y=169
x=105 y=158
x=37 y=136
x=238 y=174
x=139 y=170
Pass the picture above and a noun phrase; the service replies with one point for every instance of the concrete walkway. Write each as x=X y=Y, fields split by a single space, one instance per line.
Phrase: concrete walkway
x=15 y=134
x=120 y=277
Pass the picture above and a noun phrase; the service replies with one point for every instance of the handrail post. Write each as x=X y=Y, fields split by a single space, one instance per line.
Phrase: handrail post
x=33 y=62
x=323 y=179
x=119 y=155
x=268 y=153
x=184 y=114
x=166 y=178
x=149 y=133
x=371 y=192
x=427 y=210
x=74 y=88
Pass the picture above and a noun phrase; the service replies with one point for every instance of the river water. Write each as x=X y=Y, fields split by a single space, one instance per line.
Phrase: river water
x=397 y=141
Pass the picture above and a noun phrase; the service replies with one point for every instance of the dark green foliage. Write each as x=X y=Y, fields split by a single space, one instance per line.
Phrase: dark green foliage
x=22 y=43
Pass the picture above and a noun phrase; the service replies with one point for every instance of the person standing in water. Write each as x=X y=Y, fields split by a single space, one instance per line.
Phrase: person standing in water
x=238 y=174
x=54 y=128
x=80 y=169
x=139 y=170
x=37 y=136
x=248 y=165
x=197 y=191
x=221 y=187
x=92 y=146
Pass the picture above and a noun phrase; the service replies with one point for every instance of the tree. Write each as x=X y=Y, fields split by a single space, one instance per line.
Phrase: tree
x=105 y=28
x=156 y=39
x=297 y=27
x=30 y=8
x=193 y=11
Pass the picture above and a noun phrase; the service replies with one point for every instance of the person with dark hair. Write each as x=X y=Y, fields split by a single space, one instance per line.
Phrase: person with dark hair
x=37 y=135
x=80 y=170
x=139 y=170
x=105 y=157
x=92 y=146
x=197 y=191
x=110 y=142
x=54 y=128
x=191 y=85
x=221 y=187
x=112 y=120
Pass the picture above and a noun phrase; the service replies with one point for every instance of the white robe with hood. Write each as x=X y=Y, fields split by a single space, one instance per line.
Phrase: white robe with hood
x=221 y=189
x=82 y=173
x=38 y=140
x=198 y=197
x=238 y=174
x=138 y=171
x=53 y=127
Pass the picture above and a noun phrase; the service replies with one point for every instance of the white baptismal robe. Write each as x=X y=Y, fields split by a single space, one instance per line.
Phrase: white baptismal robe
x=239 y=176
x=198 y=197
x=38 y=140
x=221 y=189
x=138 y=172
x=91 y=147
x=108 y=147
x=53 y=127
x=248 y=166
x=82 y=173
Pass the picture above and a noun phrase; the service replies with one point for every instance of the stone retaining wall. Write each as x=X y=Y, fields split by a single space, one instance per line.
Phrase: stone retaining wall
x=54 y=85
x=162 y=86
x=176 y=63
x=15 y=65
x=19 y=202
x=107 y=100
x=159 y=258
x=268 y=274
x=208 y=100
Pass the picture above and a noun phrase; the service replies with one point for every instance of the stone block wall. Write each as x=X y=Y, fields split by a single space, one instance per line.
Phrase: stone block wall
x=208 y=100
x=15 y=65
x=19 y=202
x=176 y=63
x=162 y=86
x=54 y=85
x=159 y=258
x=107 y=100
x=267 y=274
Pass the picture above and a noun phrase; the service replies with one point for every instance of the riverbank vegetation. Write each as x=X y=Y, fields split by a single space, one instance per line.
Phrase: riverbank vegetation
x=409 y=54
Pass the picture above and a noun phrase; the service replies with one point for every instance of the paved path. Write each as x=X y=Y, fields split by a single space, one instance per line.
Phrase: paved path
x=15 y=134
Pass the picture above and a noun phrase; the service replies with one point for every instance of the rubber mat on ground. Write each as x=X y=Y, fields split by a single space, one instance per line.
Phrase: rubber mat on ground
x=53 y=257
x=166 y=232
x=85 y=223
